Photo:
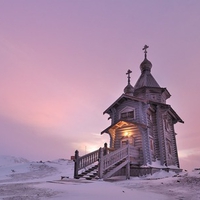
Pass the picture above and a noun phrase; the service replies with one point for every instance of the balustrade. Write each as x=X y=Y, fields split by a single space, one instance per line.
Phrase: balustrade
x=106 y=158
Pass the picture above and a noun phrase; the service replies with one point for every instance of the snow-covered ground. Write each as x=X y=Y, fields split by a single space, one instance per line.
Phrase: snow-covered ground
x=21 y=179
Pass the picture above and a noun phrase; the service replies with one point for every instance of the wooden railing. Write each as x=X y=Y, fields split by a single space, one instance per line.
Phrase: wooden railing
x=88 y=159
x=107 y=160
x=134 y=154
x=84 y=161
x=116 y=160
x=114 y=157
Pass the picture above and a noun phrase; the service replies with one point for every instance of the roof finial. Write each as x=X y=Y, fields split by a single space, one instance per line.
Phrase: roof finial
x=145 y=50
x=129 y=77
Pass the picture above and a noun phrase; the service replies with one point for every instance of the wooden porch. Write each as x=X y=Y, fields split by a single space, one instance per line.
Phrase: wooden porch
x=105 y=163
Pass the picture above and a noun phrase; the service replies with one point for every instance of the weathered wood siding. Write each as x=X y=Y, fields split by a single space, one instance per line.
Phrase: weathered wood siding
x=170 y=140
x=161 y=129
x=161 y=138
x=152 y=137
x=176 y=160
x=156 y=141
x=134 y=138
x=136 y=105
x=156 y=154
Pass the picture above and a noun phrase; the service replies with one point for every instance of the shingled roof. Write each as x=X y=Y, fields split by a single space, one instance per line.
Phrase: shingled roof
x=146 y=79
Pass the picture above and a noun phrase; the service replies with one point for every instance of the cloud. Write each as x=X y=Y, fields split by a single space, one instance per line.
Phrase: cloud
x=90 y=142
x=38 y=142
x=32 y=142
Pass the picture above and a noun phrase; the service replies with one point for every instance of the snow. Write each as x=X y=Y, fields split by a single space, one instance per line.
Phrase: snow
x=157 y=164
x=23 y=179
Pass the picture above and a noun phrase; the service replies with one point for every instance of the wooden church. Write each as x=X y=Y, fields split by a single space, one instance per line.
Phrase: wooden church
x=142 y=135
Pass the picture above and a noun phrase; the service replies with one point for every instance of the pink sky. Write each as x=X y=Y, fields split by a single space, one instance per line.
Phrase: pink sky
x=62 y=63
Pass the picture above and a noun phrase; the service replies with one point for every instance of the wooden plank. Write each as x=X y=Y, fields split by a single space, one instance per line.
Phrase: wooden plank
x=110 y=173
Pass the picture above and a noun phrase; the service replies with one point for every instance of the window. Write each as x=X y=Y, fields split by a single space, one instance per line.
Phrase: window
x=151 y=144
x=127 y=115
x=127 y=140
x=124 y=143
x=149 y=117
x=169 y=147
x=153 y=97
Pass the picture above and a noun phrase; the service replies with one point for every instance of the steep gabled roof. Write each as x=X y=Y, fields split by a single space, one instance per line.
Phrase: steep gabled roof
x=146 y=80
x=122 y=98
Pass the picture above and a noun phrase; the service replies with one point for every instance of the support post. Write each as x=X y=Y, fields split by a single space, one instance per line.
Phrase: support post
x=76 y=164
x=100 y=167
x=128 y=163
x=105 y=149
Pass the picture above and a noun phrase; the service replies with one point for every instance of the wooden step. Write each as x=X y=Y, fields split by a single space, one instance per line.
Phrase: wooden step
x=90 y=173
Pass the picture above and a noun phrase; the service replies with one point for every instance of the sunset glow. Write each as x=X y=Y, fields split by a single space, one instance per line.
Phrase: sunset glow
x=62 y=63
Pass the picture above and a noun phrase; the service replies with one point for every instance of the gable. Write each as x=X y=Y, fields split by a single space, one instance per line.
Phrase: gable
x=127 y=113
x=120 y=101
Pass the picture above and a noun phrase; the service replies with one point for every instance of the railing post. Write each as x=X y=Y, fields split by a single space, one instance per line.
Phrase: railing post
x=128 y=163
x=105 y=149
x=100 y=167
x=76 y=163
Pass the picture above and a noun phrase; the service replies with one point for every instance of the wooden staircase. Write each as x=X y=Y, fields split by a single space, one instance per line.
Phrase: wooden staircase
x=90 y=173
x=112 y=170
x=108 y=162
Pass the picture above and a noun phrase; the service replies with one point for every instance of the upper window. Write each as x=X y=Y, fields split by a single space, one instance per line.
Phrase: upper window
x=127 y=115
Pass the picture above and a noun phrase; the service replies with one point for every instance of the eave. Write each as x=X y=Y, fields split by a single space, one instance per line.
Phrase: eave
x=121 y=123
x=170 y=110
x=163 y=90
x=175 y=115
x=120 y=100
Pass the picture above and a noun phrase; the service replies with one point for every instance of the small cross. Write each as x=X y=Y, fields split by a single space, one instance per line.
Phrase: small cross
x=129 y=77
x=145 y=50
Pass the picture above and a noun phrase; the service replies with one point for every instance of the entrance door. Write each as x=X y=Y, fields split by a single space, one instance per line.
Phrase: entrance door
x=127 y=140
x=124 y=142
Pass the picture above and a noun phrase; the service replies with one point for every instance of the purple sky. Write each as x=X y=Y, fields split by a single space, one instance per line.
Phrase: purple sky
x=62 y=63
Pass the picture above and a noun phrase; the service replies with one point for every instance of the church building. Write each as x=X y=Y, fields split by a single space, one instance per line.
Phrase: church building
x=142 y=118
x=142 y=134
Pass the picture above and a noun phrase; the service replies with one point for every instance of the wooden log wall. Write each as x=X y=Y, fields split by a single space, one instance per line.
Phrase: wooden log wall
x=134 y=138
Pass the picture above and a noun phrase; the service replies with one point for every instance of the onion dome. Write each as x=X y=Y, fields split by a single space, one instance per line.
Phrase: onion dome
x=145 y=65
x=129 y=89
x=146 y=79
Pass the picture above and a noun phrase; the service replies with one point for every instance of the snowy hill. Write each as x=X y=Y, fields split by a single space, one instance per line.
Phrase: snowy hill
x=22 y=179
x=10 y=160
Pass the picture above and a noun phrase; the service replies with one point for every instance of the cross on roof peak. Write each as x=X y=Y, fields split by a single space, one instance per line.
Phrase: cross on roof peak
x=145 y=50
x=129 y=77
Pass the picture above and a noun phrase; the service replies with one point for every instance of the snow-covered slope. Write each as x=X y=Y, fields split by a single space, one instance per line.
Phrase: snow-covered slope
x=22 y=179
x=10 y=160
